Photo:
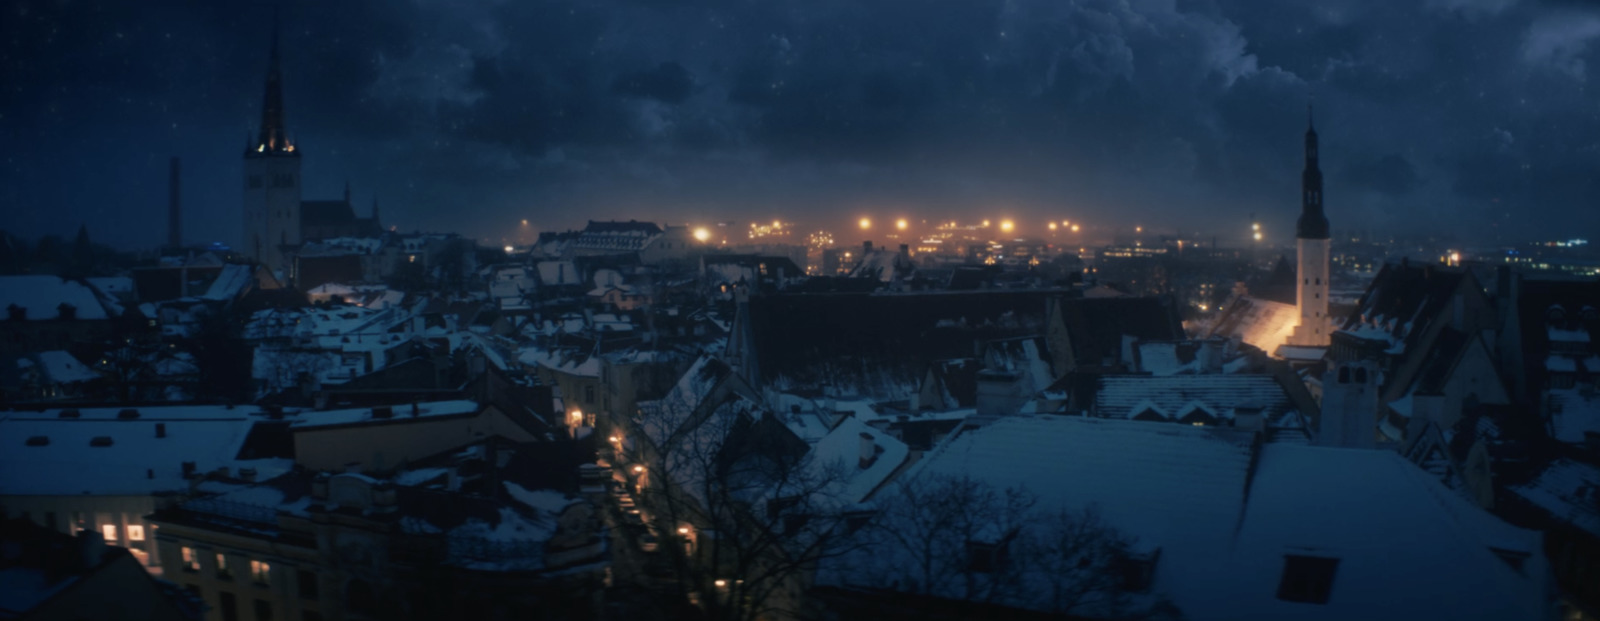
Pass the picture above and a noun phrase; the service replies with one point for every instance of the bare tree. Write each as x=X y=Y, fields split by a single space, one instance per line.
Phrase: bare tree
x=757 y=509
x=957 y=538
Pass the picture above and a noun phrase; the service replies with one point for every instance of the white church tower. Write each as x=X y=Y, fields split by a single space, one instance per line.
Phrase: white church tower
x=1311 y=241
x=271 y=181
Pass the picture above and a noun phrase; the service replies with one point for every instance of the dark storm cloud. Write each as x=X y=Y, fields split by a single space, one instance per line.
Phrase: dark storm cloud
x=1391 y=174
x=472 y=114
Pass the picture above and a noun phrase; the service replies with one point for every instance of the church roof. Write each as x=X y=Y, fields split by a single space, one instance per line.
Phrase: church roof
x=326 y=213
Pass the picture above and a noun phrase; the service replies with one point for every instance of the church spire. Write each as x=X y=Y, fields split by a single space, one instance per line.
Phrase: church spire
x=274 y=137
x=1313 y=224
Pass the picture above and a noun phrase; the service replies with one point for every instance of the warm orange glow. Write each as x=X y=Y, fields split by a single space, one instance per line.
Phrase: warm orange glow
x=1255 y=226
x=986 y=223
x=1074 y=228
x=615 y=439
x=683 y=530
x=1138 y=229
x=702 y=234
x=866 y=223
x=1007 y=225
x=577 y=415
x=1258 y=236
x=638 y=469
x=1052 y=226
x=524 y=222
x=901 y=224
x=722 y=584
x=509 y=249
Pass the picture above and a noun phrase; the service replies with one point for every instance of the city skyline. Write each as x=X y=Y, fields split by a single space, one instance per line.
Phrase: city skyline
x=473 y=119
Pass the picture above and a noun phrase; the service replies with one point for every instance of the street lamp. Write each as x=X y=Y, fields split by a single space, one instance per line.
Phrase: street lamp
x=702 y=234
x=866 y=223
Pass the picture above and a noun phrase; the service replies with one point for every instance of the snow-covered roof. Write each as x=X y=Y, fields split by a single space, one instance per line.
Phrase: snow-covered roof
x=1407 y=547
x=397 y=413
x=62 y=368
x=42 y=453
x=1125 y=396
x=1569 y=491
x=1262 y=323
x=42 y=296
x=558 y=273
x=230 y=282
x=561 y=362
x=1573 y=412
x=838 y=456
x=665 y=416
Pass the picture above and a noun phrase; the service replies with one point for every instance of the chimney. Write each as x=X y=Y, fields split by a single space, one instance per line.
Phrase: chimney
x=866 y=247
x=92 y=546
x=1212 y=352
x=869 y=450
x=1349 y=416
x=161 y=430
x=905 y=249
x=174 y=210
x=1250 y=418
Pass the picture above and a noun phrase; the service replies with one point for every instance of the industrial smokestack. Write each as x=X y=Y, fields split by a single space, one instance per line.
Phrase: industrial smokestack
x=174 y=210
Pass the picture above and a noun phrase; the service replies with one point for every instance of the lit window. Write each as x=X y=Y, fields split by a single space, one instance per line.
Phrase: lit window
x=191 y=561
x=135 y=532
x=259 y=572
x=222 y=567
x=110 y=532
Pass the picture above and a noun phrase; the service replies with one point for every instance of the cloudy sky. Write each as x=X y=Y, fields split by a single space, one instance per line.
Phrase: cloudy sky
x=1467 y=116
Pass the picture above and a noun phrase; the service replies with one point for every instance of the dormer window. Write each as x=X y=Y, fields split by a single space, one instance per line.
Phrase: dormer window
x=985 y=557
x=1307 y=579
x=1137 y=571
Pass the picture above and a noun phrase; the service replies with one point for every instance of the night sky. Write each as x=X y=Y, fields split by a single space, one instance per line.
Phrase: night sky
x=1466 y=116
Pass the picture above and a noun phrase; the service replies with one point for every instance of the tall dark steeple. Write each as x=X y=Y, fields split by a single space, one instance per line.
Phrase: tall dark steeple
x=1313 y=223
x=274 y=137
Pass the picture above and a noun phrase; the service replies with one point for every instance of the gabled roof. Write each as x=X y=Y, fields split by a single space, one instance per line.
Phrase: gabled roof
x=1097 y=325
x=1120 y=395
x=1403 y=300
x=1406 y=547
x=326 y=213
x=138 y=460
x=41 y=297
x=1261 y=323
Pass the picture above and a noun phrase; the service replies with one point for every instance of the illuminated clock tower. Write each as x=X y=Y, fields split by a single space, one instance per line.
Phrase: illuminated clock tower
x=1311 y=242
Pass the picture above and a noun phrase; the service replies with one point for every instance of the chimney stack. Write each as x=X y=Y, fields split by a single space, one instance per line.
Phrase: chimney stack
x=174 y=209
x=93 y=546
x=869 y=450
x=866 y=247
